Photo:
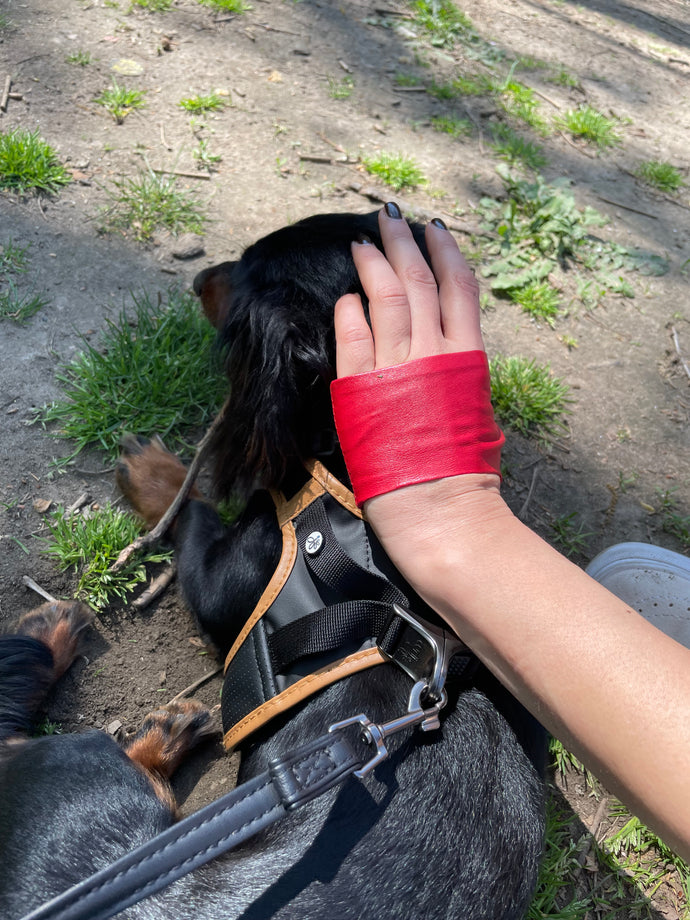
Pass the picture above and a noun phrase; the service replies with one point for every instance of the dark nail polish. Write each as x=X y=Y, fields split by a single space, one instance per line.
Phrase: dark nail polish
x=392 y=210
x=437 y=222
x=363 y=238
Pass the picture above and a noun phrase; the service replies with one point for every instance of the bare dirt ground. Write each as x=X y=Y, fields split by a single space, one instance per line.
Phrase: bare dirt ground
x=282 y=142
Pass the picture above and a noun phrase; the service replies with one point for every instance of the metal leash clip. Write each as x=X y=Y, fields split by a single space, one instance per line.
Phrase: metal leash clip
x=421 y=649
x=376 y=733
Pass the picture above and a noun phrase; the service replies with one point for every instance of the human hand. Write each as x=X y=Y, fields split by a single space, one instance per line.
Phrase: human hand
x=414 y=312
x=416 y=315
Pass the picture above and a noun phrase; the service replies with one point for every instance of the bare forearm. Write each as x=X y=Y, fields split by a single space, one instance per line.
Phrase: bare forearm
x=613 y=688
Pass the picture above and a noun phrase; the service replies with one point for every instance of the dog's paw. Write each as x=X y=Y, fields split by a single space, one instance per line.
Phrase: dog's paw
x=168 y=735
x=149 y=477
x=58 y=625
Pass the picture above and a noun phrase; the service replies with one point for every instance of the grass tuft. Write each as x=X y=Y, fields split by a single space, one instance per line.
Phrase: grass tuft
x=152 y=371
x=527 y=397
x=442 y=21
x=89 y=545
x=451 y=124
x=396 y=170
x=27 y=162
x=591 y=125
x=340 y=89
x=120 y=101
x=539 y=299
x=80 y=58
x=152 y=201
x=662 y=176
x=227 y=6
x=514 y=149
x=211 y=102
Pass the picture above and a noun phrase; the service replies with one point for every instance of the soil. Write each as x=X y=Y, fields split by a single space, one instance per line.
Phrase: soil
x=283 y=143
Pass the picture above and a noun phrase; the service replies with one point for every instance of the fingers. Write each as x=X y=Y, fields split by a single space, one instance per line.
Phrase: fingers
x=414 y=311
x=389 y=309
x=458 y=291
x=354 y=351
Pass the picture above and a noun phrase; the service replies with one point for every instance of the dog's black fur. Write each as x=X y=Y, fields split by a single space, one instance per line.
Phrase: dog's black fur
x=450 y=826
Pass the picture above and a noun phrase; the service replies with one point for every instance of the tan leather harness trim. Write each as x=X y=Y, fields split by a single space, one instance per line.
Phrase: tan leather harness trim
x=301 y=690
x=286 y=510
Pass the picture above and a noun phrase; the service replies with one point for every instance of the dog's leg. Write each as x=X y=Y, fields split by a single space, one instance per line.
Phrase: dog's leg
x=165 y=739
x=150 y=477
x=45 y=643
x=222 y=570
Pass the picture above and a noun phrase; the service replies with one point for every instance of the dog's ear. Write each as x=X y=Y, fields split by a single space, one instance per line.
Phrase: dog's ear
x=279 y=351
x=214 y=287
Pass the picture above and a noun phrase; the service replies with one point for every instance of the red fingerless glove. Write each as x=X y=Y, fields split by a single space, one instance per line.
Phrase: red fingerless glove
x=415 y=422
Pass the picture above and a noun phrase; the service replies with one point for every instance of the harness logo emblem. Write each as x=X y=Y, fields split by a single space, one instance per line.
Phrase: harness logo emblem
x=313 y=543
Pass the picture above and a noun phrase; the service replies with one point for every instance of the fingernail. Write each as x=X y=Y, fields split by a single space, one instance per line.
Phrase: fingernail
x=363 y=239
x=437 y=222
x=392 y=210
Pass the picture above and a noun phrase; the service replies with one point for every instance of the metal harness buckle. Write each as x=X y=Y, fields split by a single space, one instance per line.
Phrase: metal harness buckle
x=424 y=652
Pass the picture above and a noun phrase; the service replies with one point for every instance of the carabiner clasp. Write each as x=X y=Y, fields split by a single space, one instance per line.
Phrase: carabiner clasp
x=376 y=733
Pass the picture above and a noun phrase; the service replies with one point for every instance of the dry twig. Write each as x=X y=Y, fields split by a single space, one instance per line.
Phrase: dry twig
x=156 y=587
x=676 y=342
x=5 y=93
x=195 y=686
x=30 y=583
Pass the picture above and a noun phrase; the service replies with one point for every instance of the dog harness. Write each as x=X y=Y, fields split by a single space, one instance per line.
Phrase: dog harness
x=334 y=606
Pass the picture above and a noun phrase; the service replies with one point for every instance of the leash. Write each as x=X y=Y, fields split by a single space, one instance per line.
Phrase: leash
x=289 y=783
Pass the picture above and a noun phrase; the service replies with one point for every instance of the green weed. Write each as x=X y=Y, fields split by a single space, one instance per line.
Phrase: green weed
x=519 y=101
x=120 y=101
x=407 y=79
x=442 y=21
x=563 y=77
x=27 y=162
x=591 y=125
x=13 y=259
x=46 y=727
x=450 y=124
x=89 y=545
x=662 y=176
x=152 y=371
x=19 y=307
x=673 y=522
x=227 y=6
x=513 y=148
x=212 y=102
x=202 y=154
x=13 y=305
x=539 y=299
x=569 y=534
x=152 y=201
x=80 y=58
x=340 y=89
x=527 y=397
x=397 y=170
x=153 y=6
x=539 y=227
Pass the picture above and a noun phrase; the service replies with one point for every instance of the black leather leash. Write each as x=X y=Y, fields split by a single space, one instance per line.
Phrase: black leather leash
x=422 y=650
x=289 y=783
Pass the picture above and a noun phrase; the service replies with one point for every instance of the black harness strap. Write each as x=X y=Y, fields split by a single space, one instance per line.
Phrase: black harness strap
x=329 y=562
x=326 y=630
x=288 y=784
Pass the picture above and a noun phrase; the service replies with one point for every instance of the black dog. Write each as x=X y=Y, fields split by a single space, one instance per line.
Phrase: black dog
x=451 y=824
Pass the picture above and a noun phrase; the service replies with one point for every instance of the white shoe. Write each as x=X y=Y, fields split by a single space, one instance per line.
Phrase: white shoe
x=652 y=580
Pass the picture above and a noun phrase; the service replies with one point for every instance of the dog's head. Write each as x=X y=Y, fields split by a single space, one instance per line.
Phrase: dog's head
x=274 y=314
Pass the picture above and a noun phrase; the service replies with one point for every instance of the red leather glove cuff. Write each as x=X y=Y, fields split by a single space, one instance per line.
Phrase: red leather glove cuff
x=415 y=422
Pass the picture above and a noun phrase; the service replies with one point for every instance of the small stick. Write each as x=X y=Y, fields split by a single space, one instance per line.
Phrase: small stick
x=676 y=342
x=626 y=207
x=185 y=175
x=30 y=583
x=163 y=140
x=5 y=93
x=76 y=505
x=161 y=527
x=195 y=686
x=156 y=587
x=521 y=513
